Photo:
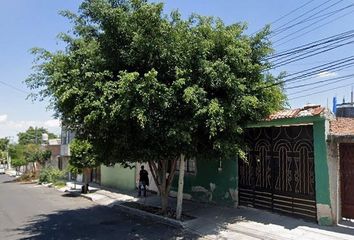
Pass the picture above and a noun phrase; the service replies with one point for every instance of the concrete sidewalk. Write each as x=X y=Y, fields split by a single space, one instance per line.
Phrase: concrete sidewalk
x=217 y=222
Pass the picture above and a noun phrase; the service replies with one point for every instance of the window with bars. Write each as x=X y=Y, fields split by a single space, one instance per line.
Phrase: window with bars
x=190 y=166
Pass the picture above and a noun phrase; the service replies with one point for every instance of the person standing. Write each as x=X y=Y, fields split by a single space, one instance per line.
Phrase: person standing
x=143 y=181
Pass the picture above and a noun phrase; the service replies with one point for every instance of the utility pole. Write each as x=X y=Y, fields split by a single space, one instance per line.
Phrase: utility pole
x=35 y=133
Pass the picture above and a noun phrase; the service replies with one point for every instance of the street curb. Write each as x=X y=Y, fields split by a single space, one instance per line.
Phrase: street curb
x=147 y=215
x=134 y=211
x=137 y=212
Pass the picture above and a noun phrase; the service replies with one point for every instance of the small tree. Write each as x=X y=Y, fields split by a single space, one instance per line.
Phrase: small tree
x=43 y=156
x=31 y=154
x=16 y=153
x=84 y=158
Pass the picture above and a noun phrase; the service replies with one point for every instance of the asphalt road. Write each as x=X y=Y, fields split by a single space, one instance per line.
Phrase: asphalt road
x=30 y=211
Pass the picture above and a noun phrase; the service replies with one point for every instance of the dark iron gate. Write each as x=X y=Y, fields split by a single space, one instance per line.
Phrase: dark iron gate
x=346 y=151
x=279 y=172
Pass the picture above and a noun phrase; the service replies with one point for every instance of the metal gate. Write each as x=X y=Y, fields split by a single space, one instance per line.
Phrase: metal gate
x=347 y=179
x=278 y=174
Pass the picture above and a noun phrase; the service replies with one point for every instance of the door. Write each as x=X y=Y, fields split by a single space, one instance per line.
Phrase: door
x=346 y=151
x=278 y=174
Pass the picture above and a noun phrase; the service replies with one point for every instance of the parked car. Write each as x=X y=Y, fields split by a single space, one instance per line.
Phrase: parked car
x=2 y=169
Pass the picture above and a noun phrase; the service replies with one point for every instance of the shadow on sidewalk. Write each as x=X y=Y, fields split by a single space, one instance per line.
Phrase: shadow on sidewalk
x=96 y=222
x=214 y=219
x=211 y=219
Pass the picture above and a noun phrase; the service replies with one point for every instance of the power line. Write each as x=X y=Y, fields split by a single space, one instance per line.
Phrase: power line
x=310 y=25
x=327 y=82
x=307 y=55
x=304 y=14
x=318 y=71
x=309 y=52
x=327 y=90
x=286 y=15
x=301 y=75
x=311 y=18
x=14 y=88
x=311 y=77
x=312 y=44
x=313 y=29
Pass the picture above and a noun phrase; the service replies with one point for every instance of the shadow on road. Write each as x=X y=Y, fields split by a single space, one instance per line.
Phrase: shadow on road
x=97 y=222
x=10 y=181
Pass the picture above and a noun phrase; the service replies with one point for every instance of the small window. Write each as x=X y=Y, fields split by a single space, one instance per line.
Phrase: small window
x=189 y=166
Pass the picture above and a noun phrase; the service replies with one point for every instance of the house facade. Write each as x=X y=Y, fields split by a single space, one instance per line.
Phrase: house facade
x=294 y=165
x=286 y=169
x=54 y=146
x=340 y=145
x=63 y=161
x=118 y=177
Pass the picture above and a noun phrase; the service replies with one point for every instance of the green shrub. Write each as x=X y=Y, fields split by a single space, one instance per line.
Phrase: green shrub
x=60 y=184
x=51 y=175
x=27 y=177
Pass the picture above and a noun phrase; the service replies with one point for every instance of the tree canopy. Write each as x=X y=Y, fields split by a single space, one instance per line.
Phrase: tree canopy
x=34 y=135
x=82 y=154
x=141 y=85
x=4 y=143
x=17 y=155
x=30 y=153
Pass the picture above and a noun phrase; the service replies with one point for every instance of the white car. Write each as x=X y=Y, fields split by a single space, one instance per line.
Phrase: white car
x=2 y=170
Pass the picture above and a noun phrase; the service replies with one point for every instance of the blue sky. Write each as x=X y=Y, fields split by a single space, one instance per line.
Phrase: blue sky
x=35 y=23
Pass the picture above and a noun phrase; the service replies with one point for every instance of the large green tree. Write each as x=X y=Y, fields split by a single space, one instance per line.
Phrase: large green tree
x=143 y=86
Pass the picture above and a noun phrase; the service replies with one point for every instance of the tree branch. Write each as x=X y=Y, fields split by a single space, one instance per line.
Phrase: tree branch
x=153 y=169
x=172 y=172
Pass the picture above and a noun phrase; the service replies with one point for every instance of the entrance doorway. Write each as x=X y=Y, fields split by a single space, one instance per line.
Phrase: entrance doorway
x=346 y=151
x=279 y=172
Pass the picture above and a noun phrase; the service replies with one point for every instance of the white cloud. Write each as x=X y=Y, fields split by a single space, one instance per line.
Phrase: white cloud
x=19 y=125
x=326 y=74
x=52 y=123
x=11 y=128
x=3 y=118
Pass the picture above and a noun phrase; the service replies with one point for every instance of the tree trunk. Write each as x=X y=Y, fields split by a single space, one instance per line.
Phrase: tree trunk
x=86 y=175
x=34 y=167
x=164 y=203
x=180 y=188
x=159 y=172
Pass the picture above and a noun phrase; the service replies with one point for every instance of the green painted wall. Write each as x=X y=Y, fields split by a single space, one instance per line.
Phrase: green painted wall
x=211 y=185
x=118 y=177
x=200 y=185
x=321 y=164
